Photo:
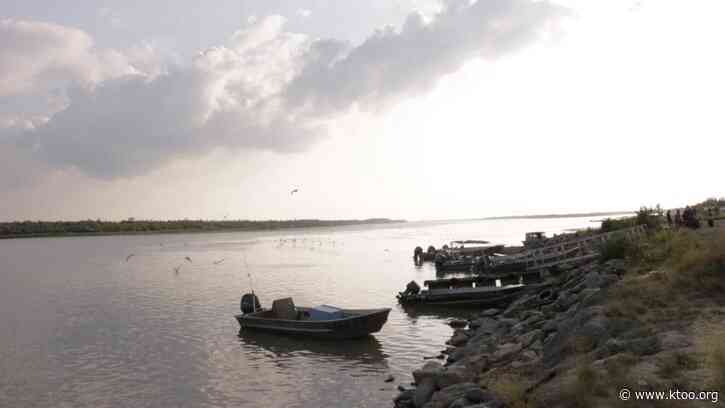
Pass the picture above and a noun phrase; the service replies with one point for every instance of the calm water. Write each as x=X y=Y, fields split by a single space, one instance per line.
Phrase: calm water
x=81 y=327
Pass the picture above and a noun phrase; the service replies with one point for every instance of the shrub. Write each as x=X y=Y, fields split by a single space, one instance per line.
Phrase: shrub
x=671 y=365
x=511 y=389
x=698 y=264
x=713 y=348
x=614 y=248
x=613 y=224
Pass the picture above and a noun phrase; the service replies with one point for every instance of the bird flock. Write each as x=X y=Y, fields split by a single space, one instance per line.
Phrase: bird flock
x=177 y=268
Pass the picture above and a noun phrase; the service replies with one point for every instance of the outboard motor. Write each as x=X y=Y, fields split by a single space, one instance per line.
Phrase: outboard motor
x=249 y=303
x=412 y=288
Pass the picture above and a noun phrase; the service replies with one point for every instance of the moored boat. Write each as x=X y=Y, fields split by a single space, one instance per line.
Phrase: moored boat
x=322 y=321
x=460 y=292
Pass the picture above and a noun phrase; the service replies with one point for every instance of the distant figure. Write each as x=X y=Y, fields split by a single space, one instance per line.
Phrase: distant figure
x=689 y=218
x=669 y=219
x=418 y=255
x=678 y=218
x=710 y=218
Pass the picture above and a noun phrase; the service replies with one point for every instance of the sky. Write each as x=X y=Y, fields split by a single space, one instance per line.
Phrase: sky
x=414 y=109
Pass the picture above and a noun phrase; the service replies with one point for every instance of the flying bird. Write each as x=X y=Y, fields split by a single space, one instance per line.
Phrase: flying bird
x=218 y=262
x=294 y=191
x=187 y=258
x=176 y=270
x=130 y=256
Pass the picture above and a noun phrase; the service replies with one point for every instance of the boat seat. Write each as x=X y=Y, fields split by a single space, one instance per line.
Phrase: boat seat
x=284 y=309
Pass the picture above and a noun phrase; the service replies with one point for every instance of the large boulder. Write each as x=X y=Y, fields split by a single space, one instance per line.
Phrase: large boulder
x=459 y=338
x=446 y=396
x=528 y=338
x=455 y=373
x=505 y=352
x=405 y=399
x=429 y=370
x=424 y=391
x=485 y=325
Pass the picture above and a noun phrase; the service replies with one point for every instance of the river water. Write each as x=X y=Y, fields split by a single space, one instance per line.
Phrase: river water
x=83 y=327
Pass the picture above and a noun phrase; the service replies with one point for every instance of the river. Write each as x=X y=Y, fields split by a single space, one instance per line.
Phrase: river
x=84 y=327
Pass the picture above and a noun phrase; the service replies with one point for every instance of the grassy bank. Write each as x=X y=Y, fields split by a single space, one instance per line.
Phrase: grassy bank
x=674 y=286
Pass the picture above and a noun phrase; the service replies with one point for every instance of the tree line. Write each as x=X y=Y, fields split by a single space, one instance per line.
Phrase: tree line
x=50 y=228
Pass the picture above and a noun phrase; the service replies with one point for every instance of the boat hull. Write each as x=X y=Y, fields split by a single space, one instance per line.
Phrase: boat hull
x=357 y=323
x=465 y=297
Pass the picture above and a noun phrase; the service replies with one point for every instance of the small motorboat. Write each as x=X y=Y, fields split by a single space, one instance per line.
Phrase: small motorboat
x=322 y=321
x=461 y=292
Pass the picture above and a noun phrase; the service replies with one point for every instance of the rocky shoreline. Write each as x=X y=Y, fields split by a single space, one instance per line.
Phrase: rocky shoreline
x=537 y=350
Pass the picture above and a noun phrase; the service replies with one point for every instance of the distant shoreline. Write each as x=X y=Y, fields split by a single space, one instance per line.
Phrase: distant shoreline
x=47 y=229
x=572 y=215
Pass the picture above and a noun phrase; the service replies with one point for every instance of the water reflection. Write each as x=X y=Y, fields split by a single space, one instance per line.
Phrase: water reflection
x=366 y=350
x=413 y=312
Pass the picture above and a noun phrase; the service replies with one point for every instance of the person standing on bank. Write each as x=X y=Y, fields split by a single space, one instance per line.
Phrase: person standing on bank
x=669 y=219
x=678 y=219
x=710 y=218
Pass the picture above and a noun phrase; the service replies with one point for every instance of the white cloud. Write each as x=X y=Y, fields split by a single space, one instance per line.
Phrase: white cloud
x=266 y=88
x=34 y=55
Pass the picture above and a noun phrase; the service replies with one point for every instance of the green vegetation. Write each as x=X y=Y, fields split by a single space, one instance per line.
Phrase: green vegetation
x=673 y=364
x=649 y=217
x=91 y=227
x=511 y=389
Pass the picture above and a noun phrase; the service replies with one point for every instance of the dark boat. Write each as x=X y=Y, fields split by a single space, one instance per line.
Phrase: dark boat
x=321 y=322
x=460 y=292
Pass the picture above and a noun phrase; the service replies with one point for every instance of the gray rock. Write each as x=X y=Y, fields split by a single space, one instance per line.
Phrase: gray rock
x=590 y=297
x=489 y=404
x=592 y=280
x=477 y=395
x=448 y=395
x=505 y=352
x=457 y=355
x=424 y=391
x=485 y=325
x=549 y=326
x=537 y=346
x=459 y=338
x=528 y=338
x=490 y=312
x=457 y=323
x=429 y=370
x=565 y=300
x=608 y=280
x=405 y=399
x=455 y=373
x=459 y=403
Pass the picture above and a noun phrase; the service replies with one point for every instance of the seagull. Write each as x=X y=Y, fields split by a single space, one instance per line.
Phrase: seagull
x=130 y=256
x=176 y=270
x=218 y=262
x=294 y=191
x=188 y=259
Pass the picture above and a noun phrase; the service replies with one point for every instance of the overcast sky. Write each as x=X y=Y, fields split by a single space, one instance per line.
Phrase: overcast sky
x=416 y=109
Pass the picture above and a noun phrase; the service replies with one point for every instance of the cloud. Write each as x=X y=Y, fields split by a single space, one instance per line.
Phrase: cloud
x=34 y=55
x=267 y=88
